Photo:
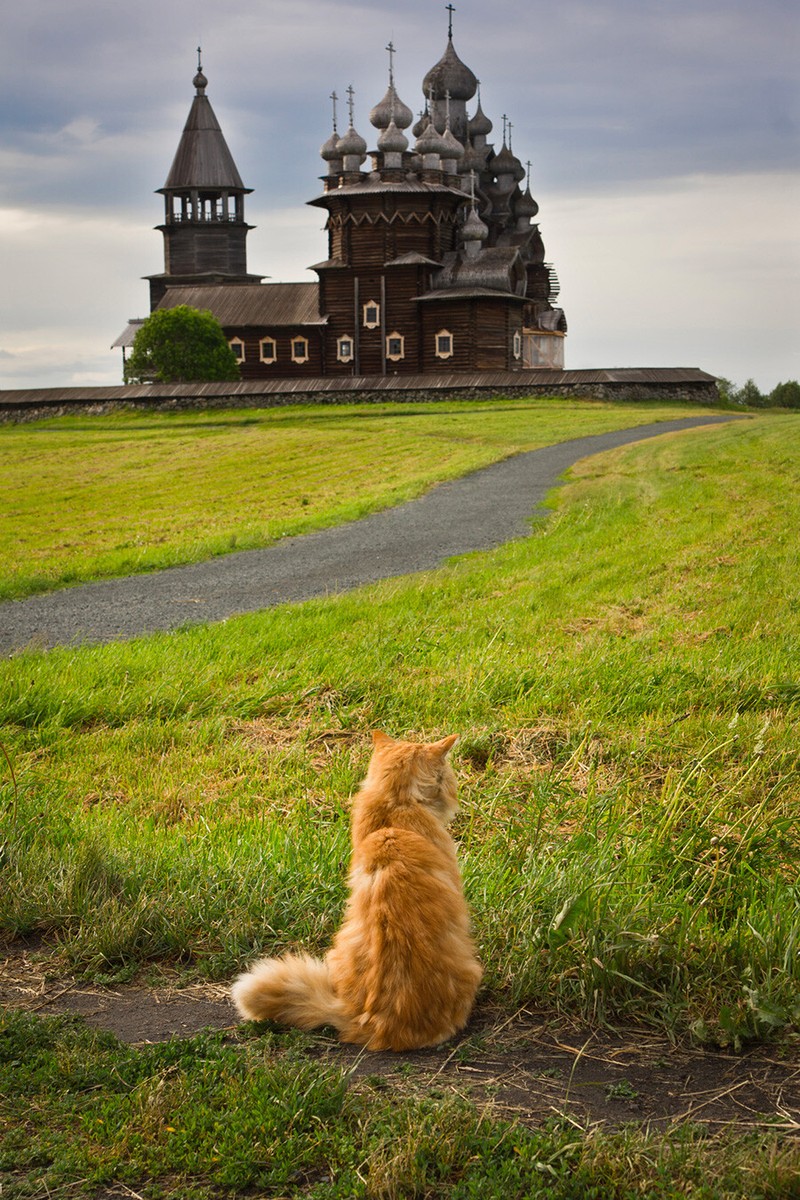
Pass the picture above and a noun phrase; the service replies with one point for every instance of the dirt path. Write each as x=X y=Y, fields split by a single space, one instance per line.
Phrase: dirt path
x=524 y=1065
x=476 y=512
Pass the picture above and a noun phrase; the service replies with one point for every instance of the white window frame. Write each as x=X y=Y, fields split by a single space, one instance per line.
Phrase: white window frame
x=371 y=322
x=342 y=355
x=237 y=346
x=392 y=337
x=438 y=352
x=268 y=341
x=299 y=358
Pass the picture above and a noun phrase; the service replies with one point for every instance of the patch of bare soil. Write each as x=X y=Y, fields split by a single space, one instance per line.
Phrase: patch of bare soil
x=523 y=1065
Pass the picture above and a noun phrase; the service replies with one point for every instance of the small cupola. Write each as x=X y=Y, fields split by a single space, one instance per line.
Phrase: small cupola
x=391 y=108
x=351 y=147
x=329 y=150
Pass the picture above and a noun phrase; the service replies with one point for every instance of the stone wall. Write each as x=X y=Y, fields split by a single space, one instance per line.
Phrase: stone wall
x=52 y=403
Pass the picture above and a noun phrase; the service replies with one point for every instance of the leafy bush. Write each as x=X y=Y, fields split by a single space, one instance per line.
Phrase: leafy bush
x=180 y=345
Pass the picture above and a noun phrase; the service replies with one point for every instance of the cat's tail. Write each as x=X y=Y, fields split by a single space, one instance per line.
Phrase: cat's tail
x=293 y=990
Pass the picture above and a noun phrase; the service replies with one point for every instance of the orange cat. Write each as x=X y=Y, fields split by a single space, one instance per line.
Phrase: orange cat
x=402 y=971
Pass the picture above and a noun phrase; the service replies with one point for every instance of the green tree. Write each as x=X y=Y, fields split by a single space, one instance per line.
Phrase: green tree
x=726 y=390
x=786 y=395
x=750 y=395
x=180 y=345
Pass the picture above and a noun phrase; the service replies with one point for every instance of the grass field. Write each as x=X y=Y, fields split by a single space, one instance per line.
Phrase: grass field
x=86 y=498
x=625 y=683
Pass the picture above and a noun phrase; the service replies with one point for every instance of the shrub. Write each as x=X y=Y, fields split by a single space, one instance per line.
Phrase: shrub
x=180 y=345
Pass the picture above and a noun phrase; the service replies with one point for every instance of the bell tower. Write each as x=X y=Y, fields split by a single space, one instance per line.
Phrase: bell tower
x=204 y=227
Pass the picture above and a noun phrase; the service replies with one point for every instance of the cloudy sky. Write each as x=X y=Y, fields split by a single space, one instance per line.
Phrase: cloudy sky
x=663 y=137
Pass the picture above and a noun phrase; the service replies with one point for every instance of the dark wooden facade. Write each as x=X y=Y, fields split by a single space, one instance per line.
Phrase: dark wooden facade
x=434 y=261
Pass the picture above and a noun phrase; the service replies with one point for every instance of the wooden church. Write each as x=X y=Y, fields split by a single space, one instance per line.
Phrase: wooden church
x=435 y=261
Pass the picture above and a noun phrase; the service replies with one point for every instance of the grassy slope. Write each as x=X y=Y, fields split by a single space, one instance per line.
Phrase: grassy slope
x=625 y=682
x=84 y=498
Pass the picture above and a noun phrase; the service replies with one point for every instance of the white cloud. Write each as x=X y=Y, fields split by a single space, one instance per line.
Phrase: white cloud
x=700 y=271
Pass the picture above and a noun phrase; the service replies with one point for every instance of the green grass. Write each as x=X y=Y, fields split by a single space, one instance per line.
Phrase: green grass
x=85 y=498
x=626 y=685
x=216 y=1116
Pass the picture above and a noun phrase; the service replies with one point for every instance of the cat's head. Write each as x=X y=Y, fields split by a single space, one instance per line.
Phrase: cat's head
x=421 y=771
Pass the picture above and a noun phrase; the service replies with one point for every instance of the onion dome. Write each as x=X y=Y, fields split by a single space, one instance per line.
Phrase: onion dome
x=200 y=82
x=430 y=141
x=480 y=125
x=329 y=151
x=450 y=75
x=506 y=163
x=526 y=206
x=391 y=108
x=351 y=144
x=451 y=146
x=392 y=140
x=474 y=229
x=422 y=123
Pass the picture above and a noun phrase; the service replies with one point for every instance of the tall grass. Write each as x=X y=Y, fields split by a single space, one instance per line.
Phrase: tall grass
x=625 y=683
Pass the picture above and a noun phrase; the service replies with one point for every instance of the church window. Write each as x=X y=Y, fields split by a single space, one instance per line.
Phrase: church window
x=344 y=349
x=237 y=346
x=395 y=347
x=444 y=344
x=517 y=344
x=299 y=349
x=372 y=315
x=268 y=348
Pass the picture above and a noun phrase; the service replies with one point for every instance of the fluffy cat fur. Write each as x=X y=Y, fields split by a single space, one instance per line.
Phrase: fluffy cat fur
x=402 y=971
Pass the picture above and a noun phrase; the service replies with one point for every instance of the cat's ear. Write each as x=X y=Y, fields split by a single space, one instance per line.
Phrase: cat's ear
x=381 y=739
x=444 y=747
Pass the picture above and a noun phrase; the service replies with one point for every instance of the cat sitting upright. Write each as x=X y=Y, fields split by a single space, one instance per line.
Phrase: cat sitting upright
x=402 y=971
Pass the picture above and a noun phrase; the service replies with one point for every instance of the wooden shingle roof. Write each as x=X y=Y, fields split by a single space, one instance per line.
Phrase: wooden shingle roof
x=203 y=159
x=273 y=304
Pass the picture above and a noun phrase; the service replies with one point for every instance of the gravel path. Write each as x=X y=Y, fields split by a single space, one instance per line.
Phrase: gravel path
x=477 y=512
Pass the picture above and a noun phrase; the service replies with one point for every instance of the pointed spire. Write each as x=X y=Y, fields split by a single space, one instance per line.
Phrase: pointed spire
x=203 y=159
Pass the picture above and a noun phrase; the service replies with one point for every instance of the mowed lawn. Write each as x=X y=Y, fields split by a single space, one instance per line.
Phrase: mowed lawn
x=626 y=687
x=85 y=498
